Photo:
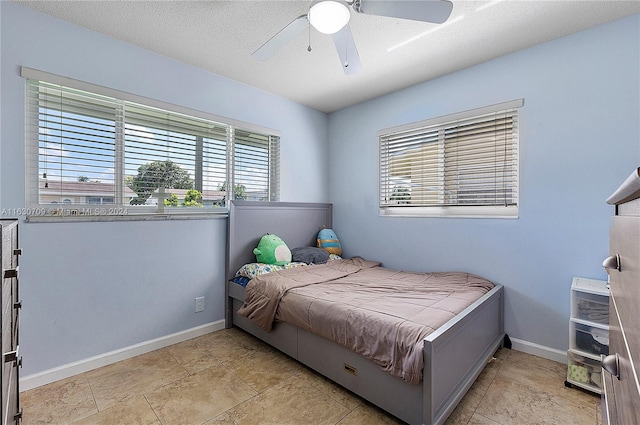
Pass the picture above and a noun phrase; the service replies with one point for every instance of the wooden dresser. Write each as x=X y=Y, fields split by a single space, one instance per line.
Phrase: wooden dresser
x=10 y=303
x=621 y=401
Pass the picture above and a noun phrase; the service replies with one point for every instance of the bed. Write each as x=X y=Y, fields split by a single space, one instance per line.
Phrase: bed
x=452 y=356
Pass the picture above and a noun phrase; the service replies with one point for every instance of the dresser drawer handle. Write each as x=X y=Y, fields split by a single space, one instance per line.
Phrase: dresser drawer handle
x=612 y=262
x=611 y=364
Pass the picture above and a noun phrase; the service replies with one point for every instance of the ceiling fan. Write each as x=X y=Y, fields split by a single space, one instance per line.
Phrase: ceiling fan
x=332 y=17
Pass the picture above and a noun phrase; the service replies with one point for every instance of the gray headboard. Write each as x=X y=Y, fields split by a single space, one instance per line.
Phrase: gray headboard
x=297 y=224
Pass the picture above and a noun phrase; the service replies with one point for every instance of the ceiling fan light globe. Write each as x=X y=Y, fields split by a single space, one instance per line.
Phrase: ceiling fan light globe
x=329 y=16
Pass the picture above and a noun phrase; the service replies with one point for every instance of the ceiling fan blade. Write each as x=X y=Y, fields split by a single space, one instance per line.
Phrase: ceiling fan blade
x=347 y=51
x=284 y=36
x=436 y=11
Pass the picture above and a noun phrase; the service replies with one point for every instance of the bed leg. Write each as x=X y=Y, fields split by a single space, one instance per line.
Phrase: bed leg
x=506 y=342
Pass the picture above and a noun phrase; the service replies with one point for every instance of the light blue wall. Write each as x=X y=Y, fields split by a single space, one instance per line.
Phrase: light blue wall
x=90 y=288
x=579 y=139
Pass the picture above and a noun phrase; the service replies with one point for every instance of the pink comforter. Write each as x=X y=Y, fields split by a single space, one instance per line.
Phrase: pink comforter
x=380 y=313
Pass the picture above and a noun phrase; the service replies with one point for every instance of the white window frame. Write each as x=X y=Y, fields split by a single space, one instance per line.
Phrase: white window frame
x=435 y=127
x=39 y=211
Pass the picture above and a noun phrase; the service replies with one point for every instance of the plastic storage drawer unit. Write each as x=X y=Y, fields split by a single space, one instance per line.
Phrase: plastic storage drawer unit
x=588 y=333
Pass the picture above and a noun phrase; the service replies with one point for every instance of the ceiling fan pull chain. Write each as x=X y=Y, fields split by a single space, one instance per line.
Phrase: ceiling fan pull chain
x=309 y=47
x=346 y=53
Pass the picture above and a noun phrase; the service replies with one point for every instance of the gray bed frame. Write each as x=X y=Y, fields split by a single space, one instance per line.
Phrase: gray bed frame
x=454 y=355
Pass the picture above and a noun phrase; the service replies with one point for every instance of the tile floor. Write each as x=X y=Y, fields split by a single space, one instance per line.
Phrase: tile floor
x=206 y=381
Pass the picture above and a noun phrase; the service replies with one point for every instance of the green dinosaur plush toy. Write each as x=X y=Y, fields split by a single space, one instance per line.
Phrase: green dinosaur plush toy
x=272 y=250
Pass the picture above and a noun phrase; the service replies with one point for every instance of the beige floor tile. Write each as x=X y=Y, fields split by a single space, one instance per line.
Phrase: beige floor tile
x=510 y=402
x=291 y=402
x=212 y=349
x=367 y=414
x=198 y=398
x=264 y=369
x=133 y=411
x=61 y=402
x=547 y=376
x=135 y=376
x=223 y=419
x=481 y=420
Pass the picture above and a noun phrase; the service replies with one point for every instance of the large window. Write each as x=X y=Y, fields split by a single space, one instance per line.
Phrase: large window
x=464 y=164
x=90 y=154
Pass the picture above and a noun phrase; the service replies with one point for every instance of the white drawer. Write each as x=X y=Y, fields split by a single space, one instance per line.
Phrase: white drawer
x=590 y=307
x=584 y=372
x=590 y=339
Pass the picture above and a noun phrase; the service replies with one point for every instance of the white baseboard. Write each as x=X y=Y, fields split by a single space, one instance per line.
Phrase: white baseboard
x=85 y=365
x=539 y=350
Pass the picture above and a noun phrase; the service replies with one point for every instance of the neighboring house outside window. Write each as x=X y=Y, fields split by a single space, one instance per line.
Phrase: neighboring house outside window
x=463 y=164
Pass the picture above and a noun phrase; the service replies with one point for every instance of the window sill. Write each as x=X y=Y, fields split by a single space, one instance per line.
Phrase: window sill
x=509 y=212
x=71 y=218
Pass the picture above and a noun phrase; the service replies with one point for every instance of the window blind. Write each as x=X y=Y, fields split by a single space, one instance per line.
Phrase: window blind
x=87 y=148
x=254 y=156
x=74 y=138
x=468 y=161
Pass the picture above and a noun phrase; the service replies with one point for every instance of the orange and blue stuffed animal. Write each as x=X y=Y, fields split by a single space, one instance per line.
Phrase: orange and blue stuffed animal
x=328 y=240
x=272 y=250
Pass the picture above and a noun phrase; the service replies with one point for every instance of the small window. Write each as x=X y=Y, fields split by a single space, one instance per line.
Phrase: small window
x=87 y=150
x=464 y=164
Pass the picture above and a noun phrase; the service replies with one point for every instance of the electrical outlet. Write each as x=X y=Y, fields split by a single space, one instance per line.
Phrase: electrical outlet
x=199 y=304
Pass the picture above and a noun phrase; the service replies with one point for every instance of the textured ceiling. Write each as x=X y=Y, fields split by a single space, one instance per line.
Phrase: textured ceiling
x=220 y=36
